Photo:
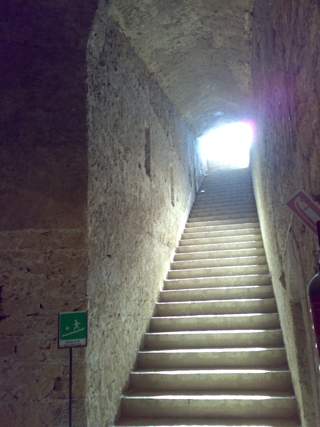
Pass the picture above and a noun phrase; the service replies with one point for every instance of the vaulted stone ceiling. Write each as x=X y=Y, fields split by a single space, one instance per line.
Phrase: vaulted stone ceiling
x=198 y=50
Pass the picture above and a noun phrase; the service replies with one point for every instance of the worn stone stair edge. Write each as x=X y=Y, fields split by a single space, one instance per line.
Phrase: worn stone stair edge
x=203 y=422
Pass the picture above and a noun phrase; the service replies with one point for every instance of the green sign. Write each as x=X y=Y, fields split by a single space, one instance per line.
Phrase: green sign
x=72 y=329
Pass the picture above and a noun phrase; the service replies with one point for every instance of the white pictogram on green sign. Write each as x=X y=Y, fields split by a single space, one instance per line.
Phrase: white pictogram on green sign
x=73 y=329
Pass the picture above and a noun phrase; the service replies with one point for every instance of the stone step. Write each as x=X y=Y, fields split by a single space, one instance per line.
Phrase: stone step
x=228 y=253
x=208 y=422
x=229 y=306
x=222 y=227
x=219 y=199
x=213 y=194
x=224 y=189
x=222 y=246
x=239 y=238
x=236 y=177
x=224 y=205
x=213 y=339
x=232 y=405
x=221 y=177
x=217 y=271
x=221 y=233
x=232 y=218
x=213 y=223
x=211 y=379
x=220 y=210
x=217 y=180
x=228 y=174
x=212 y=203
x=213 y=358
x=202 y=282
x=227 y=216
x=228 y=183
x=224 y=194
x=214 y=322
x=227 y=192
x=226 y=213
x=219 y=262
x=224 y=293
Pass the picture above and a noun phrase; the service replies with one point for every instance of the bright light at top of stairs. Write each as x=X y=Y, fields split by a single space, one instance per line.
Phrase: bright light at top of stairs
x=228 y=145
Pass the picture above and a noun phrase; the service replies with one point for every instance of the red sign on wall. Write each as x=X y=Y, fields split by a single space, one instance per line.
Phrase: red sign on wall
x=305 y=209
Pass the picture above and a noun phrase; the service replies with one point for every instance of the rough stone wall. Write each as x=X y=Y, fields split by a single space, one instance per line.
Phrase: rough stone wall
x=135 y=216
x=285 y=158
x=43 y=221
x=199 y=52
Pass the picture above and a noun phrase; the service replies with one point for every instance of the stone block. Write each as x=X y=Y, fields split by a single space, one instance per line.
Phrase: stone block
x=285 y=158
x=9 y=415
x=9 y=241
x=8 y=347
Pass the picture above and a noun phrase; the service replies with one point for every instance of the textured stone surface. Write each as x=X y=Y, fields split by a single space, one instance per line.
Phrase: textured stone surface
x=43 y=222
x=43 y=225
x=286 y=157
x=199 y=52
x=43 y=121
x=43 y=273
x=133 y=226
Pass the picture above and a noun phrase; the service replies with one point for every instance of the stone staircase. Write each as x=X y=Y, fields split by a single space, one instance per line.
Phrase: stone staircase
x=214 y=352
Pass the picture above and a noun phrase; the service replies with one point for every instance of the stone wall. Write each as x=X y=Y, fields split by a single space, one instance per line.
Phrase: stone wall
x=137 y=207
x=285 y=158
x=130 y=181
x=43 y=208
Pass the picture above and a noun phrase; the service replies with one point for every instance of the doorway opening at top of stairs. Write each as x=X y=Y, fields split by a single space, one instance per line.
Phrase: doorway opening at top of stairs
x=227 y=146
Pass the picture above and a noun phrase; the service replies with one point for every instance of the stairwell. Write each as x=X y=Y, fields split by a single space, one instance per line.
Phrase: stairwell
x=214 y=352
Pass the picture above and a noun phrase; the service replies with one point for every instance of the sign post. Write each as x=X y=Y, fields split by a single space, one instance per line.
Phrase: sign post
x=309 y=213
x=305 y=209
x=72 y=332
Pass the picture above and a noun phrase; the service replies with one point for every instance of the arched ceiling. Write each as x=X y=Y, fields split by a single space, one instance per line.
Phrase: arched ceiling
x=198 y=50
